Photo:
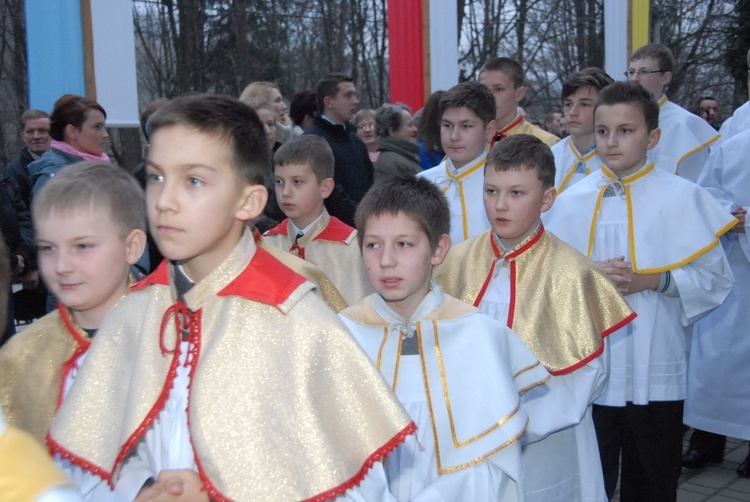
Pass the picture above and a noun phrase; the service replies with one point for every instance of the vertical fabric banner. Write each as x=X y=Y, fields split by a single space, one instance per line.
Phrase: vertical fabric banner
x=443 y=47
x=83 y=47
x=626 y=28
x=405 y=52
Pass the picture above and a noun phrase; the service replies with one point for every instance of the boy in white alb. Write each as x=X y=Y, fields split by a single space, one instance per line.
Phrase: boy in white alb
x=221 y=375
x=740 y=119
x=459 y=373
x=90 y=224
x=672 y=271
x=576 y=156
x=559 y=303
x=683 y=148
x=467 y=125
x=303 y=172
x=720 y=347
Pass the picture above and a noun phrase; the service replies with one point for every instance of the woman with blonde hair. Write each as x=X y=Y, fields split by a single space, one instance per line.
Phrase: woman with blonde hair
x=271 y=93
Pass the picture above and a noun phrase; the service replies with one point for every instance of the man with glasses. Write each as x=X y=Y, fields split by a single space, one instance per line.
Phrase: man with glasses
x=685 y=138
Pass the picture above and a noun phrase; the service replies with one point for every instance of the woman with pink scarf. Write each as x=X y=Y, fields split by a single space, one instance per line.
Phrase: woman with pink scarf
x=77 y=127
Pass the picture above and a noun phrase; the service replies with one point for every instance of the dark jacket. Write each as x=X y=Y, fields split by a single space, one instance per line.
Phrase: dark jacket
x=353 y=174
x=398 y=157
x=15 y=222
x=18 y=169
x=45 y=168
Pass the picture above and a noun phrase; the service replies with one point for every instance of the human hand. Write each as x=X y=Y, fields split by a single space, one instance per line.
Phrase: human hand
x=627 y=281
x=739 y=213
x=175 y=484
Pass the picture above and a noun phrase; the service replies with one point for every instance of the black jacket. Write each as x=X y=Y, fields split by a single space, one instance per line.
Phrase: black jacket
x=353 y=174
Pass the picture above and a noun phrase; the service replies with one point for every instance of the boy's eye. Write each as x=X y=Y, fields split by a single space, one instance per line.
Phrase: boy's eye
x=404 y=244
x=45 y=249
x=154 y=178
x=83 y=245
x=516 y=192
x=371 y=245
x=193 y=181
x=279 y=181
x=489 y=191
x=298 y=182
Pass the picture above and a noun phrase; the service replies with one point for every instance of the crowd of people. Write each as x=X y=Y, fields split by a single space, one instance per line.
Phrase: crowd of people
x=316 y=302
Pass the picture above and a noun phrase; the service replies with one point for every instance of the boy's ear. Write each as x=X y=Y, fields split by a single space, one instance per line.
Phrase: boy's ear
x=520 y=93
x=253 y=202
x=326 y=187
x=444 y=244
x=135 y=244
x=653 y=138
x=666 y=78
x=549 y=198
x=491 y=130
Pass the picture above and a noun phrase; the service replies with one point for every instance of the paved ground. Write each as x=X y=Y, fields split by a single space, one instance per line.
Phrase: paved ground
x=716 y=482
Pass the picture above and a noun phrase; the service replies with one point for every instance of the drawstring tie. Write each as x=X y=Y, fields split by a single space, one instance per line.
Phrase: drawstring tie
x=179 y=311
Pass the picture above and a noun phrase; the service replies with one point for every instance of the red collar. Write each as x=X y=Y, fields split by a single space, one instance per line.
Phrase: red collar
x=336 y=231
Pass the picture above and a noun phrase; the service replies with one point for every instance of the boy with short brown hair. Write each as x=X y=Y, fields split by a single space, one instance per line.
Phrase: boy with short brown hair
x=671 y=269
x=303 y=172
x=560 y=304
x=222 y=375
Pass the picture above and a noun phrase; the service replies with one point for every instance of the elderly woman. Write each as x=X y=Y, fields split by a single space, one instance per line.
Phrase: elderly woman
x=364 y=121
x=399 y=152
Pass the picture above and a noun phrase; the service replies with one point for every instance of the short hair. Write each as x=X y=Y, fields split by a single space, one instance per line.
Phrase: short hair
x=4 y=282
x=523 y=151
x=258 y=90
x=328 y=87
x=147 y=112
x=471 y=95
x=303 y=104
x=418 y=198
x=73 y=110
x=33 y=114
x=307 y=149
x=362 y=115
x=592 y=77
x=101 y=187
x=428 y=129
x=506 y=65
x=228 y=120
x=389 y=117
x=660 y=52
x=631 y=93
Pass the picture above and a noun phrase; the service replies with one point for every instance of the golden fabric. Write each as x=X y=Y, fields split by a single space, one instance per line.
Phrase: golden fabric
x=26 y=469
x=32 y=374
x=562 y=306
x=312 y=273
x=340 y=258
x=283 y=405
x=526 y=127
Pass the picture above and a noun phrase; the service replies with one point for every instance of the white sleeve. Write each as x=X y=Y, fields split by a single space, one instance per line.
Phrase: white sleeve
x=59 y=494
x=373 y=488
x=703 y=284
x=563 y=400
x=482 y=481
x=711 y=178
x=135 y=471
x=90 y=486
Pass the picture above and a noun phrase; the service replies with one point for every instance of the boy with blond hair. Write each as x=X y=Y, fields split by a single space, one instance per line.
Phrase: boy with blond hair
x=559 y=303
x=90 y=224
x=303 y=173
x=504 y=77
x=459 y=373
x=576 y=156
x=683 y=147
x=467 y=125
x=672 y=271
x=222 y=375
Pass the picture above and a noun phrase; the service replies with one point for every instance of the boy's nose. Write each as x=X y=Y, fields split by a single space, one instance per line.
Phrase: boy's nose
x=386 y=258
x=62 y=263
x=165 y=198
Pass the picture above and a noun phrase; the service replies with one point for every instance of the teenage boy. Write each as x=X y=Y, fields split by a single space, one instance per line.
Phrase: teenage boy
x=90 y=224
x=222 y=375
x=337 y=103
x=505 y=78
x=559 y=303
x=303 y=173
x=720 y=347
x=467 y=125
x=671 y=270
x=576 y=156
x=740 y=119
x=459 y=373
x=685 y=137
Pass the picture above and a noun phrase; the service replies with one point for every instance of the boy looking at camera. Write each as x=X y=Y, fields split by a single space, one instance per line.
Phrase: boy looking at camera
x=187 y=389
x=455 y=370
x=558 y=302
x=303 y=172
x=671 y=270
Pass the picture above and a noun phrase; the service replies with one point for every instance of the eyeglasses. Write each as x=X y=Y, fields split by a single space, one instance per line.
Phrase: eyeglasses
x=366 y=127
x=641 y=73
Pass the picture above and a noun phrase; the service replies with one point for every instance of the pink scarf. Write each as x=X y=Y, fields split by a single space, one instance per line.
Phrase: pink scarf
x=65 y=147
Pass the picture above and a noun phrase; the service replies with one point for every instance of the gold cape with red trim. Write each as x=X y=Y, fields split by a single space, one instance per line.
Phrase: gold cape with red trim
x=283 y=404
x=521 y=126
x=562 y=305
x=33 y=368
x=332 y=246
